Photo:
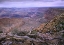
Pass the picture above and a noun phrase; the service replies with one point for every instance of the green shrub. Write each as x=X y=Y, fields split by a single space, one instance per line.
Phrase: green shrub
x=1 y=30
x=33 y=32
x=19 y=33
x=14 y=31
x=62 y=35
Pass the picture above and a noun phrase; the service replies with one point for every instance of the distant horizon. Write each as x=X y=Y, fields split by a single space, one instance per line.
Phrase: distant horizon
x=31 y=4
x=32 y=7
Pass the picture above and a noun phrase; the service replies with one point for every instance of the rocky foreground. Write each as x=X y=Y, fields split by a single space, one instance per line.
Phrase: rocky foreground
x=51 y=33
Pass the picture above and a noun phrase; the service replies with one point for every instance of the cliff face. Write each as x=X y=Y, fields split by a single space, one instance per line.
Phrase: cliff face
x=7 y=24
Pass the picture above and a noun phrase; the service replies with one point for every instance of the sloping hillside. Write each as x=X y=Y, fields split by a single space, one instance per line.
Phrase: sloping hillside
x=7 y=24
x=56 y=24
